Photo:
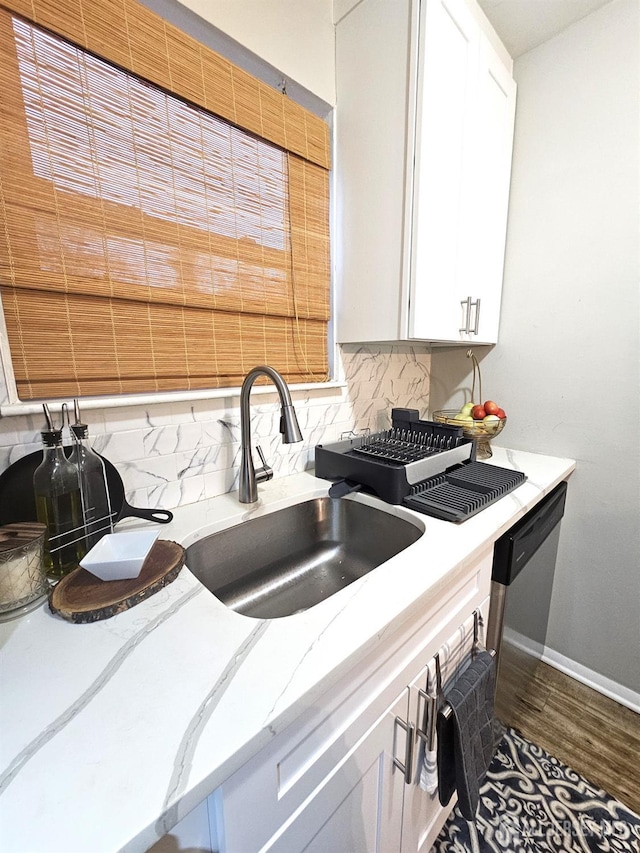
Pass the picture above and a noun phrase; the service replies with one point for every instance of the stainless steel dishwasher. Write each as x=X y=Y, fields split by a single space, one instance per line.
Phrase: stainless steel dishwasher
x=524 y=561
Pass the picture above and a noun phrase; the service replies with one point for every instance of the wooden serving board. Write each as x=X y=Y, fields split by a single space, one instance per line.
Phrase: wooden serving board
x=82 y=597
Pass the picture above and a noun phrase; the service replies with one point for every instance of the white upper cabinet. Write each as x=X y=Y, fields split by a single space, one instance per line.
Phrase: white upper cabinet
x=424 y=133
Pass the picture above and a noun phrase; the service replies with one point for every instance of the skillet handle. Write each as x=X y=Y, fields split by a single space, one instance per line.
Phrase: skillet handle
x=161 y=516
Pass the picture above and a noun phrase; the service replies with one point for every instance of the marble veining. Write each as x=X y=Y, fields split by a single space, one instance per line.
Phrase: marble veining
x=70 y=713
x=350 y=593
x=189 y=742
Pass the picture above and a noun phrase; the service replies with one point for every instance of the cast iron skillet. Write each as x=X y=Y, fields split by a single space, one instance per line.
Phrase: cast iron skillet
x=17 y=501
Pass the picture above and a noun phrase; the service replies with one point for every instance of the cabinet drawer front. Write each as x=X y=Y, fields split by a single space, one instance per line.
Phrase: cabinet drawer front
x=361 y=800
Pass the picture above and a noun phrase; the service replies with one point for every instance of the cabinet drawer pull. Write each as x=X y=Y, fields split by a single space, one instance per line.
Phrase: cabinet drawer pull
x=476 y=324
x=428 y=718
x=467 y=321
x=406 y=768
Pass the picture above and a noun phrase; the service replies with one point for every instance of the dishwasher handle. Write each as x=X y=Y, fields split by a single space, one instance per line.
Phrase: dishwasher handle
x=516 y=547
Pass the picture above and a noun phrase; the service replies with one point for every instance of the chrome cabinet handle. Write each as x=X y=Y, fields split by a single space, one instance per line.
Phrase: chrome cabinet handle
x=466 y=302
x=425 y=716
x=476 y=325
x=406 y=768
x=428 y=734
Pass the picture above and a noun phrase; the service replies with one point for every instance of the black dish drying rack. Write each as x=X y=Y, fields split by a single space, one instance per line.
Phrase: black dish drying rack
x=427 y=466
x=463 y=491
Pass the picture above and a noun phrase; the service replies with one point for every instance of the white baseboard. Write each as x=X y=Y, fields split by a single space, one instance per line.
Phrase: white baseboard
x=618 y=692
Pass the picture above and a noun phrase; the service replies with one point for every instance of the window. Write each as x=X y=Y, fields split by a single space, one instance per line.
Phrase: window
x=160 y=232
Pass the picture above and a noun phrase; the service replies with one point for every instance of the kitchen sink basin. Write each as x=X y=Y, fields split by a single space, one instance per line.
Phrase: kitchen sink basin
x=287 y=561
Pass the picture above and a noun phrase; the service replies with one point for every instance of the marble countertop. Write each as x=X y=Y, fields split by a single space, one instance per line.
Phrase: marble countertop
x=111 y=732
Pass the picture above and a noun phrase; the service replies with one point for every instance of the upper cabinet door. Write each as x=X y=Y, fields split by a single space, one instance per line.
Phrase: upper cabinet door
x=464 y=135
x=447 y=93
x=490 y=180
x=373 y=71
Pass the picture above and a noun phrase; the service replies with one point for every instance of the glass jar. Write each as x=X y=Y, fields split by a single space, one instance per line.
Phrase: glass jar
x=23 y=583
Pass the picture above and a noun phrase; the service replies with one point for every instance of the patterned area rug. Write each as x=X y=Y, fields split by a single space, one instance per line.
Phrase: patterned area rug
x=532 y=802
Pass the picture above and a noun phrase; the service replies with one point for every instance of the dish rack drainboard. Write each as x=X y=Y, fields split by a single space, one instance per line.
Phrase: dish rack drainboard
x=462 y=491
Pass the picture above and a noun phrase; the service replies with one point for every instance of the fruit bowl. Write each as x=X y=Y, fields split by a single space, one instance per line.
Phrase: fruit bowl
x=482 y=431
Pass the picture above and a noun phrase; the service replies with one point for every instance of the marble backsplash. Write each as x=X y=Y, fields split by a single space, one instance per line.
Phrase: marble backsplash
x=177 y=453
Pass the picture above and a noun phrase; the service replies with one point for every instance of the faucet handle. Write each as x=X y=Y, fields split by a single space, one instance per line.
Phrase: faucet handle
x=266 y=472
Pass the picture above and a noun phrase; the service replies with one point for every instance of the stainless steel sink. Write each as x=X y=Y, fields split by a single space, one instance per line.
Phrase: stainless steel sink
x=291 y=559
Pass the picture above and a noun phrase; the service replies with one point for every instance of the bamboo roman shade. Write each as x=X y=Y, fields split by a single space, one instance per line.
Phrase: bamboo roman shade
x=165 y=216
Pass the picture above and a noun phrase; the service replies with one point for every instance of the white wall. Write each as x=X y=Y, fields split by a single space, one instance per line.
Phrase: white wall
x=295 y=36
x=566 y=368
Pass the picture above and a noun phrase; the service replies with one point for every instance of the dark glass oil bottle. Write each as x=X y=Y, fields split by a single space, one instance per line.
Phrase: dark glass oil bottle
x=59 y=506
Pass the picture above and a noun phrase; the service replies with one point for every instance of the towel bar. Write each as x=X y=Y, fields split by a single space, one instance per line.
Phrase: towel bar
x=428 y=735
x=447 y=712
x=446 y=708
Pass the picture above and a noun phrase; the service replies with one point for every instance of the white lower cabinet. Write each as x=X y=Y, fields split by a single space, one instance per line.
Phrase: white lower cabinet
x=423 y=816
x=192 y=833
x=345 y=775
x=357 y=807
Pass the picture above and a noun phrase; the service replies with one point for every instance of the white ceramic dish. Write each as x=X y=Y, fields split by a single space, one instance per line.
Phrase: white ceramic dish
x=119 y=556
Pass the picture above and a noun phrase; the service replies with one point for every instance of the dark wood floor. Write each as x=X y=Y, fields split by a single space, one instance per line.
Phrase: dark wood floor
x=594 y=735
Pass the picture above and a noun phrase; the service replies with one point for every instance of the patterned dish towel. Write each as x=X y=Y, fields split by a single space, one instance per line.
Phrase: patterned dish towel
x=454 y=658
x=465 y=738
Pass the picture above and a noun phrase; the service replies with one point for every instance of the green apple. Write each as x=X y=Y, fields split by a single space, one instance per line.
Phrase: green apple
x=491 y=422
x=466 y=409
